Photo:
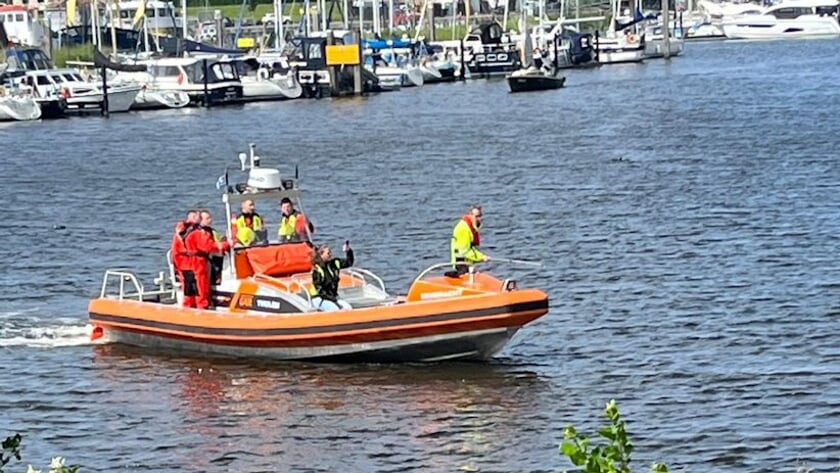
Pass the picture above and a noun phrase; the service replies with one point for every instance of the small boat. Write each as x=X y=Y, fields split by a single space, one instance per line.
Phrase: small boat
x=435 y=64
x=263 y=82
x=533 y=79
x=264 y=305
x=151 y=99
x=394 y=62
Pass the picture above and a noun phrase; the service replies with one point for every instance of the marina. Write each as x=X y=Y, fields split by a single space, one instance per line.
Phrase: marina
x=684 y=211
x=162 y=63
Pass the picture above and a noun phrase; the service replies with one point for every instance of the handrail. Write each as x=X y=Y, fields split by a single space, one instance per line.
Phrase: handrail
x=432 y=268
x=301 y=284
x=123 y=275
x=364 y=272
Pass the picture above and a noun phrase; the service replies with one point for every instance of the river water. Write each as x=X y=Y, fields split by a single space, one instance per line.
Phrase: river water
x=686 y=212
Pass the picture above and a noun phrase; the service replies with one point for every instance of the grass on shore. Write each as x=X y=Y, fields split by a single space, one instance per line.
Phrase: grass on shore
x=75 y=53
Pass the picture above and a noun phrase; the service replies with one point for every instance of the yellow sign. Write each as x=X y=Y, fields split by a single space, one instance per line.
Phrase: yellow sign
x=343 y=55
x=245 y=43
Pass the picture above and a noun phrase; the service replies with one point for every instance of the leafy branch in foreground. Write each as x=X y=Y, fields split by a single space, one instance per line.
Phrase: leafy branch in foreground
x=612 y=457
x=11 y=449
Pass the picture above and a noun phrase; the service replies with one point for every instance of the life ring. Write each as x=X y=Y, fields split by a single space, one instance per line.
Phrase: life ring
x=263 y=73
x=631 y=38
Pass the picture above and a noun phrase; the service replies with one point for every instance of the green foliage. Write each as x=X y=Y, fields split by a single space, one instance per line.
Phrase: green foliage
x=11 y=449
x=83 y=52
x=611 y=457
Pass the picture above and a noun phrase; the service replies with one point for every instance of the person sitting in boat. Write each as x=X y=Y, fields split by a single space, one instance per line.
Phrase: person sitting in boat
x=325 y=278
x=294 y=227
x=201 y=244
x=466 y=241
x=248 y=226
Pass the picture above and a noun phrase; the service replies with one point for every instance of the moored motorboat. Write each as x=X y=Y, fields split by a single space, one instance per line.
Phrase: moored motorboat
x=264 y=304
x=533 y=79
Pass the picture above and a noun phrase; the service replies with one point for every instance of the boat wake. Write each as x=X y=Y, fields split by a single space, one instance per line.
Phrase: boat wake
x=22 y=329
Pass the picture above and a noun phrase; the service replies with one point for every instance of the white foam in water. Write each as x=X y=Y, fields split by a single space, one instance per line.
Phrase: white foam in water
x=28 y=332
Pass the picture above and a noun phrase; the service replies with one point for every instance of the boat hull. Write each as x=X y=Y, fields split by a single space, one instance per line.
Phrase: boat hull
x=52 y=108
x=655 y=48
x=19 y=108
x=768 y=27
x=534 y=83
x=470 y=346
x=473 y=328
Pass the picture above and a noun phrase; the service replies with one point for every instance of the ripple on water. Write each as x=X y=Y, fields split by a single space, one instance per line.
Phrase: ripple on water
x=685 y=212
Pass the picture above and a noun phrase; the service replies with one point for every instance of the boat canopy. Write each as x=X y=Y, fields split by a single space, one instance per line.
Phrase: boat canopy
x=387 y=44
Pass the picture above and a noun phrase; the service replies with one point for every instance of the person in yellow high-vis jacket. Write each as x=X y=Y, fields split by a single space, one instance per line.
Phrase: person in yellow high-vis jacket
x=464 y=247
x=294 y=226
x=248 y=227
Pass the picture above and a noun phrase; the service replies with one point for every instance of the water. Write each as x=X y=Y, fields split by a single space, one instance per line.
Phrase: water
x=686 y=213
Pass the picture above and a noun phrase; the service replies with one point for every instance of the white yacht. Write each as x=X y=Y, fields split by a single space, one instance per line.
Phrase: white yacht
x=79 y=93
x=617 y=48
x=186 y=75
x=788 y=19
x=396 y=67
x=705 y=23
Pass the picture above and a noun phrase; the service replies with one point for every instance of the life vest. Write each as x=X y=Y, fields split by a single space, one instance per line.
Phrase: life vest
x=293 y=225
x=465 y=241
x=245 y=228
x=254 y=222
x=329 y=276
x=470 y=221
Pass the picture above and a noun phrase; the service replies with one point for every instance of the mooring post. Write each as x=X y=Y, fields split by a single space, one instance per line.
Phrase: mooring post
x=463 y=65
x=105 y=107
x=206 y=88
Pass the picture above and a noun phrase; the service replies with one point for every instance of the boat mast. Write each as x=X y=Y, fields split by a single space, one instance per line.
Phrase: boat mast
x=306 y=28
x=278 y=23
x=184 y=20
x=666 y=25
x=114 y=5
x=454 y=10
x=376 y=20
x=467 y=11
x=390 y=17
x=422 y=18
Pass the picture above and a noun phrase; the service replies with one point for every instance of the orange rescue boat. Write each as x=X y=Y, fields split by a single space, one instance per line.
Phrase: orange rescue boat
x=264 y=307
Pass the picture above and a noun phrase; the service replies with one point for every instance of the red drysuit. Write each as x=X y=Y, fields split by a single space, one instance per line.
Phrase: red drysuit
x=199 y=244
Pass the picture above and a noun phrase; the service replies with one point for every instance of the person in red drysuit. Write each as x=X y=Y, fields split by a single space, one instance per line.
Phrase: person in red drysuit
x=199 y=246
x=182 y=229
